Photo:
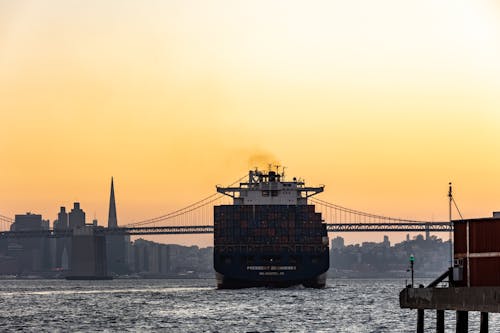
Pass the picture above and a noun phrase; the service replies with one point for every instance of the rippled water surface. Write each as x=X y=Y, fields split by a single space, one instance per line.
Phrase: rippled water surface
x=196 y=306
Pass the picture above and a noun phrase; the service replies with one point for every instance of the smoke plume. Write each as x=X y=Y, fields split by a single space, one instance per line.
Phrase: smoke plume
x=262 y=160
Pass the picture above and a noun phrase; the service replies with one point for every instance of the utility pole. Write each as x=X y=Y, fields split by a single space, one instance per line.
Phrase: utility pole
x=450 y=197
x=412 y=261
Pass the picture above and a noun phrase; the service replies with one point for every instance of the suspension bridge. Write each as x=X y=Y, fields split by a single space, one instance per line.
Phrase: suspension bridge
x=197 y=218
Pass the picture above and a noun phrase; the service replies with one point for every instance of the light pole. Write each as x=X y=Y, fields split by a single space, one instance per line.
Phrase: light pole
x=412 y=261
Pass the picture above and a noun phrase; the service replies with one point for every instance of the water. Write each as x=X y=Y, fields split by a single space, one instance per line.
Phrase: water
x=196 y=306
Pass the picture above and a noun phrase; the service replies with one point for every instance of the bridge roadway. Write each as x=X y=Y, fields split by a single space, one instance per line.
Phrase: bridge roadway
x=208 y=229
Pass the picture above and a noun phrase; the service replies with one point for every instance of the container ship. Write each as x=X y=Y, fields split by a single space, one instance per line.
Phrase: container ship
x=269 y=236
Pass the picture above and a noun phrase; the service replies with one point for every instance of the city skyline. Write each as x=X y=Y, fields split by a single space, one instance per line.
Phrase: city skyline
x=199 y=217
x=383 y=103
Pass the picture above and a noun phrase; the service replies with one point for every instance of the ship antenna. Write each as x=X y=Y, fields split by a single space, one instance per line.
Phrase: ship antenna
x=283 y=173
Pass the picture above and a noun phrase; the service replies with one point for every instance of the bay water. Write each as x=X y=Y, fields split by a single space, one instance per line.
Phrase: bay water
x=142 y=305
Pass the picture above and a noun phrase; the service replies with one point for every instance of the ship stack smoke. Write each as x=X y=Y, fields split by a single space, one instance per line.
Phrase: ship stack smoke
x=262 y=161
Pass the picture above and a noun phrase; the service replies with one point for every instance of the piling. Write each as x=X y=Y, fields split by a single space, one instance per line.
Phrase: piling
x=483 y=327
x=462 y=321
x=420 y=321
x=439 y=321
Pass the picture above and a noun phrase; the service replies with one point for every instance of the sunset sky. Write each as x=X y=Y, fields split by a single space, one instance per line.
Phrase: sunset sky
x=384 y=102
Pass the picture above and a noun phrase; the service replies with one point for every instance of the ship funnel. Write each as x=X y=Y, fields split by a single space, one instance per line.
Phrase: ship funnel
x=272 y=176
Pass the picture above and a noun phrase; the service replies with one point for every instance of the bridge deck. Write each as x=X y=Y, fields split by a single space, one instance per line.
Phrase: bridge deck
x=208 y=229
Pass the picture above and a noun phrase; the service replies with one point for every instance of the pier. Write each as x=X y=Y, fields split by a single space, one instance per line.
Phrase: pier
x=473 y=281
x=459 y=299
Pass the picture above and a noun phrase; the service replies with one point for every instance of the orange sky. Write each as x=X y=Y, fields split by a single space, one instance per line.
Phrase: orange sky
x=383 y=102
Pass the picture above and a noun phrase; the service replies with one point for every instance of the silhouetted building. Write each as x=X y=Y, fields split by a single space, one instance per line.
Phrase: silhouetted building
x=29 y=221
x=76 y=217
x=62 y=243
x=387 y=242
x=338 y=243
x=372 y=259
x=88 y=258
x=151 y=259
x=62 y=220
x=32 y=254
x=117 y=245
x=112 y=220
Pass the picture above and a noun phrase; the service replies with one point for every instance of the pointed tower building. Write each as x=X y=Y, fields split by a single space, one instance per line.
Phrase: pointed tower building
x=112 y=220
x=117 y=245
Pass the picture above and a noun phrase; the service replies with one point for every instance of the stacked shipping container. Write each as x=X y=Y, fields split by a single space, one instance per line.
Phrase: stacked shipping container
x=277 y=225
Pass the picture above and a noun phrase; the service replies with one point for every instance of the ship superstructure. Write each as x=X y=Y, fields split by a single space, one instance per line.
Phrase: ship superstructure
x=270 y=236
x=270 y=189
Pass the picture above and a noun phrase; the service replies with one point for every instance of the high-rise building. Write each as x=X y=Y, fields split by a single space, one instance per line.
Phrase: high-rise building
x=62 y=220
x=28 y=221
x=76 y=217
x=338 y=243
x=112 y=220
x=32 y=253
x=88 y=257
x=117 y=245
x=62 y=243
x=387 y=242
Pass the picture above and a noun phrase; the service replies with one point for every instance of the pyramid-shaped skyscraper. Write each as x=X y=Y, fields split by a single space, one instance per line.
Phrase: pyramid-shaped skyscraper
x=117 y=245
x=112 y=220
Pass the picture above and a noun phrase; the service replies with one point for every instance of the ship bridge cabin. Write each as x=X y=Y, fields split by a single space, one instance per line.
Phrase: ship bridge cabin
x=270 y=189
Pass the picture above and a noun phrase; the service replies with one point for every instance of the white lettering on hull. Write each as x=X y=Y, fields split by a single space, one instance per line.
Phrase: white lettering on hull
x=272 y=273
x=271 y=268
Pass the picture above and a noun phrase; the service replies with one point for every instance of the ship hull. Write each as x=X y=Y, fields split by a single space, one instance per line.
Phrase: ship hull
x=223 y=282
x=280 y=269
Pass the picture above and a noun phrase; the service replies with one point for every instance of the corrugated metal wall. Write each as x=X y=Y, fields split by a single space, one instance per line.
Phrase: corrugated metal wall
x=484 y=251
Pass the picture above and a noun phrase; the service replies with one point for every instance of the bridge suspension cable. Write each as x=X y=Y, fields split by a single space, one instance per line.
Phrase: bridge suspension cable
x=200 y=213
x=6 y=219
x=209 y=200
x=333 y=213
x=5 y=222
